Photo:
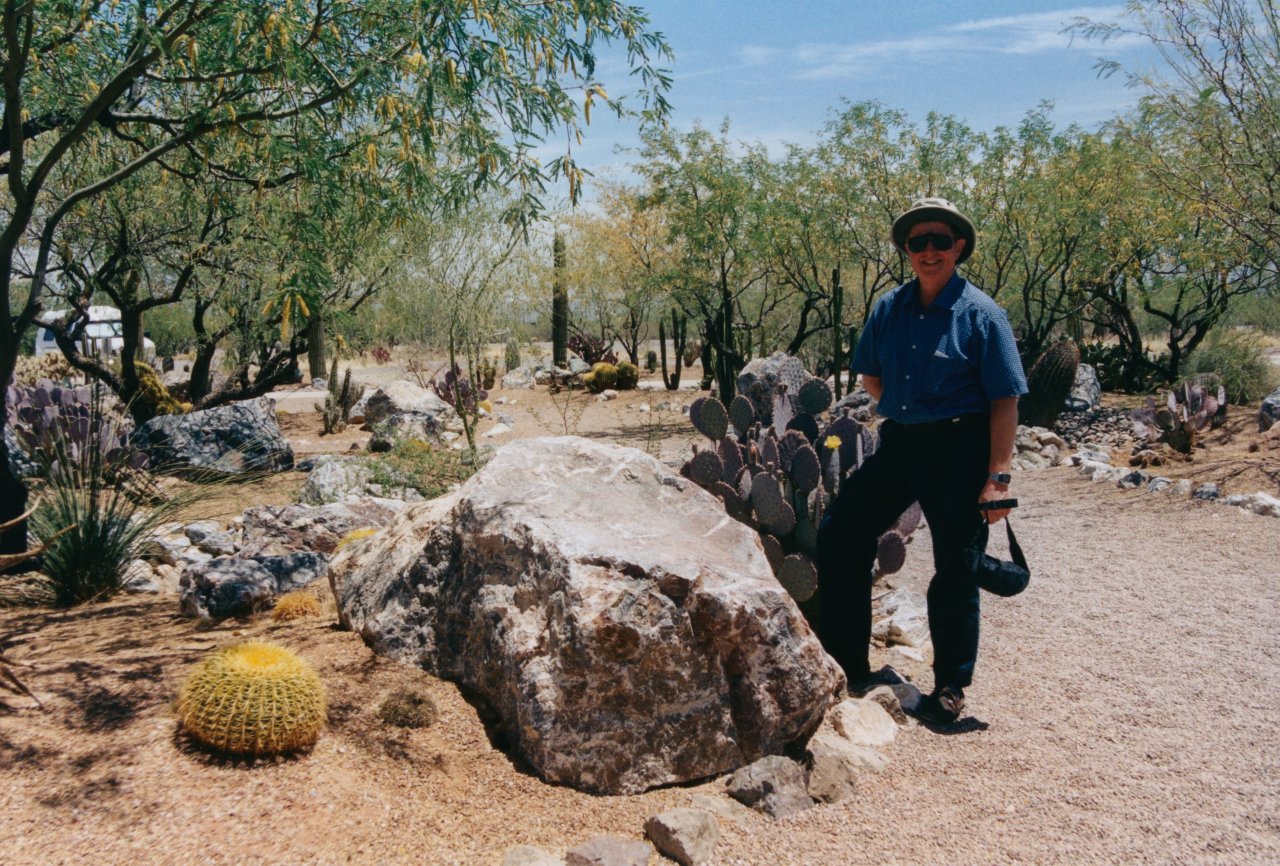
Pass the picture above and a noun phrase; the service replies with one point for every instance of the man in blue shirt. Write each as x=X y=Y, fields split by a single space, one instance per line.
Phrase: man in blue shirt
x=939 y=356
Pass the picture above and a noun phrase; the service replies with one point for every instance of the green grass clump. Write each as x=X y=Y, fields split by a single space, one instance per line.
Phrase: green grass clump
x=253 y=699
x=408 y=707
x=427 y=468
x=1238 y=360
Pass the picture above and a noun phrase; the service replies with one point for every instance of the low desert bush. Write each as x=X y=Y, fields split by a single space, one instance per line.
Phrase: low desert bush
x=1238 y=360
x=408 y=707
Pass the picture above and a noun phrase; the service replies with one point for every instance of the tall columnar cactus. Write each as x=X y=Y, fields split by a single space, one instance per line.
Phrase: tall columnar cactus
x=678 y=323
x=1049 y=384
x=253 y=699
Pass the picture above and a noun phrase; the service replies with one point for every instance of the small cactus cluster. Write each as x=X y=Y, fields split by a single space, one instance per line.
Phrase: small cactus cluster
x=602 y=376
x=1191 y=408
x=512 y=359
x=1049 y=384
x=253 y=699
x=486 y=373
x=628 y=376
x=336 y=410
x=781 y=485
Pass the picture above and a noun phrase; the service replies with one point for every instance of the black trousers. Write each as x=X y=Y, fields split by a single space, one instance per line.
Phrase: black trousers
x=944 y=467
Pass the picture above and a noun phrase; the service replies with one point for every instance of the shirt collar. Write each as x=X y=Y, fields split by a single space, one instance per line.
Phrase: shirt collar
x=946 y=298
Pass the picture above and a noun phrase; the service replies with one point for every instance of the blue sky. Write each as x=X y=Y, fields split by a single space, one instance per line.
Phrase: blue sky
x=777 y=69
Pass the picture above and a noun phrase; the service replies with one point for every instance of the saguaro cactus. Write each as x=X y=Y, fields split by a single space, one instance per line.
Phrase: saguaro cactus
x=678 y=322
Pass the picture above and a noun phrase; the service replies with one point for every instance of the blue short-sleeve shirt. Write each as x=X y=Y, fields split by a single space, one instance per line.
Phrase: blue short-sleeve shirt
x=950 y=359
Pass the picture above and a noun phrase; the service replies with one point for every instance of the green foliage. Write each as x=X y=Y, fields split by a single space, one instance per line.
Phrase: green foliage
x=253 y=699
x=1238 y=361
x=408 y=707
x=429 y=469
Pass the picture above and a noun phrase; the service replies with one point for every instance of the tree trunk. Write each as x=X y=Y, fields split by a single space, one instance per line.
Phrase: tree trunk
x=837 y=329
x=559 y=305
x=315 y=345
x=13 y=503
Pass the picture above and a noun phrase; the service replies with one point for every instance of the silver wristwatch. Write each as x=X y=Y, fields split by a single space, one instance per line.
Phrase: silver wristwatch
x=1000 y=477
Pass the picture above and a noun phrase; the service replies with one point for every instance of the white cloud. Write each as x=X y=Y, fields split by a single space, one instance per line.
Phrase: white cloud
x=1030 y=33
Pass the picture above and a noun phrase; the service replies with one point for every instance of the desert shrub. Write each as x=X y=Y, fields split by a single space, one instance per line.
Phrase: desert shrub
x=95 y=510
x=427 y=468
x=408 y=707
x=513 y=354
x=1237 y=358
x=254 y=698
x=295 y=605
x=381 y=355
x=593 y=350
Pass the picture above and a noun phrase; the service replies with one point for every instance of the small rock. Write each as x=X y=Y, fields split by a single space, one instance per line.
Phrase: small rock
x=608 y=394
x=688 y=836
x=863 y=722
x=723 y=807
x=610 y=851
x=1155 y=485
x=1207 y=491
x=529 y=855
x=908 y=695
x=773 y=785
x=835 y=764
x=1130 y=480
x=1088 y=455
x=496 y=430
x=887 y=698
x=1183 y=487
x=643 y=407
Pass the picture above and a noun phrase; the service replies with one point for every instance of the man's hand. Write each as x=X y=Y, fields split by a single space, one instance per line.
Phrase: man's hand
x=992 y=491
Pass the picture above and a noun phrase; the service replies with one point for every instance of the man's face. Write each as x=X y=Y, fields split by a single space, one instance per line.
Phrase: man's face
x=933 y=266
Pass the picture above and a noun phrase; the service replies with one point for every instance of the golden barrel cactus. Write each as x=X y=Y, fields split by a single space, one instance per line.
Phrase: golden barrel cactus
x=253 y=698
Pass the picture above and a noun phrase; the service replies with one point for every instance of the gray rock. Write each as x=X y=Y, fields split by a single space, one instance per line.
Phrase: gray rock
x=495 y=431
x=1158 y=483
x=723 y=807
x=835 y=765
x=903 y=618
x=225 y=587
x=1208 y=490
x=19 y=463
x=167 y=548
x=234 y=439
x=1130 y=480
x=1257 y=503
x=773 y=785
x=863 y=722
x=403 y=426
x=610 y=851
x=294 y=570
x=274 y=529
x=617 y=655
x=1086 y=392
x=577 y=366
x=336 y=478
x=1269 y=411
x=529 y=855
x=520 y=377
x=211 y=538
x=1183 y=487
x=889 y=701
x=688 y=836
x=139 y=577
x=1091 y=455
x=404 y=397
x=760 y=378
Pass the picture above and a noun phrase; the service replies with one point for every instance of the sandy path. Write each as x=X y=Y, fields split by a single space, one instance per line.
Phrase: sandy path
x=1129 y=702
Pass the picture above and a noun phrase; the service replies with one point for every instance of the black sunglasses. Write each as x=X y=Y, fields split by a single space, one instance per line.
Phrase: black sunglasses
x=941 y=243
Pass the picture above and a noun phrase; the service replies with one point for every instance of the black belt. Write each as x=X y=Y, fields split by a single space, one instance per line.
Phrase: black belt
x=971 y=421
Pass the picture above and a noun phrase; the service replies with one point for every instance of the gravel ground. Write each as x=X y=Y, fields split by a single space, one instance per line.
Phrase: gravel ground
x=1123 y=712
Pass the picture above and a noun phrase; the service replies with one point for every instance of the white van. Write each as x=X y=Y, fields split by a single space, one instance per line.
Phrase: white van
x=104 y=333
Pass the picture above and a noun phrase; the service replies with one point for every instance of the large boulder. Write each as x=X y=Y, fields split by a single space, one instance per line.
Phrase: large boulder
x=618 y=653
x=1086 y=391
x=275 y=529
x=335 y=478
x=402 y=396
x=233 y=586
x=400 y=426
x=1269 y=411
x=760 y=378
x=234 y=439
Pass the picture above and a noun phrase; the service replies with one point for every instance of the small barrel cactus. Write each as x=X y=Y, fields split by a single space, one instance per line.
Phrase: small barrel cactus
x=253 y=699
x=628 y=376
x=603 y=375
